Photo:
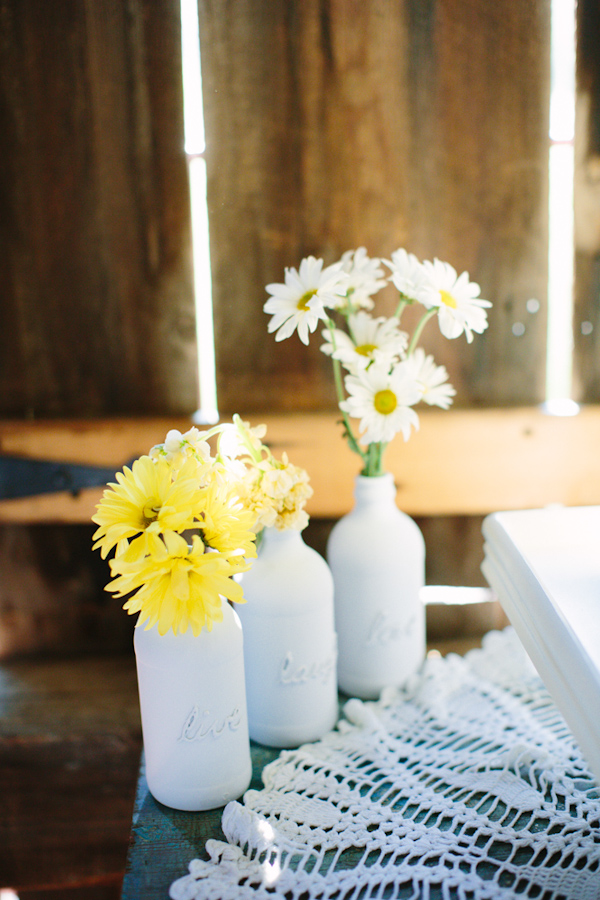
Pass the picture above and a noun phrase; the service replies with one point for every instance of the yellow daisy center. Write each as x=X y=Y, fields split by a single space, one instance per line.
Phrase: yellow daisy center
x=151 y=510
x=385 y=402
x=365 y=349
x=303 y=301
x=448 y=299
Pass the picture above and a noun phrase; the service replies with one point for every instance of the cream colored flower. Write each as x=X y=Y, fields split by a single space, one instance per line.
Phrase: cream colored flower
x=296 y=519
x=277 y=483
x=276 y=492
x=178 y=447
x=263 y=508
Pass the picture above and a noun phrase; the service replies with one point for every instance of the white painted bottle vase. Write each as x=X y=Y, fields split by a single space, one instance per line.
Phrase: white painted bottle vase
x=377 y=556
x=194 y=715
x=289 y=642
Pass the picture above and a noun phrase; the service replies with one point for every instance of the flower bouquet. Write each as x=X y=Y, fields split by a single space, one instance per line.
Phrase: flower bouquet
x=381 y=373
x=180 y=524
x=387 y=372
x=288 y=622
x=176 y=584
x=181 y=537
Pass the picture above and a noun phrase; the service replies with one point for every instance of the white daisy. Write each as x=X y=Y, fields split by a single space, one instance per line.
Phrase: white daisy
x=365 y=277
x=457 y=299
x=408 y=275
x=370 y=340
x=431 y=379
x=300 y=302
x=382 y=401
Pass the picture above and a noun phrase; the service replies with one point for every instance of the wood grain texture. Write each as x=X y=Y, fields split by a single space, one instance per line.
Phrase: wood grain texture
x=336 y=124
x=164 y=841
x=97 y=300
x=586 y=319
x=52 y=596
x=460 y=462
x=70 y=742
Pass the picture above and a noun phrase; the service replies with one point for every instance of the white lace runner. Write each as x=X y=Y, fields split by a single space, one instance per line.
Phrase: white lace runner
x=465 y=785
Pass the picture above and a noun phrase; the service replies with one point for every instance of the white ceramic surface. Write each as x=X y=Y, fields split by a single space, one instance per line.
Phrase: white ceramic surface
x=289 y=642
x=194 y=717
x=377 y=557
x=544 y=566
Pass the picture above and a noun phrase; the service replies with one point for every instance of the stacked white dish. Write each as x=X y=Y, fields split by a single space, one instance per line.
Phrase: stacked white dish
x=544 y=566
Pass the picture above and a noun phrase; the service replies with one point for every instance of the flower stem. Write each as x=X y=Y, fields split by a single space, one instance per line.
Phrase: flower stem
x=419 y=329
x=374 y=460
x=402 y=304
x=339 y=389
x=254 y=454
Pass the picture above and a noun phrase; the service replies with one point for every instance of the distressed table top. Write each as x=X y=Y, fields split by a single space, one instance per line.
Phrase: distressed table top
x=164 y=841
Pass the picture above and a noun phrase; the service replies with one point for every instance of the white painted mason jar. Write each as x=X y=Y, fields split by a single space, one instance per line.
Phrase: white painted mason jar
x=377 y=556
x=194 y=716
x=289 y=642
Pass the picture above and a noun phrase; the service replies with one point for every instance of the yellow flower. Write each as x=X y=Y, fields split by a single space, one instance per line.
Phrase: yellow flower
x=147 y=499
x=226 y=525
x=176 y=586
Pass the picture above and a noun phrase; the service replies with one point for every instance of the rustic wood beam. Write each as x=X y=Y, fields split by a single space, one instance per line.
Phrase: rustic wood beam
x=460 y=462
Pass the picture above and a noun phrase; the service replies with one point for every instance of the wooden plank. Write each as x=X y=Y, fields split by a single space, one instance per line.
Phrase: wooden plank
x=586 y=320
x=97 y=288
x=461 y=462
x=164 y=841
x=52 y=596
x=70 y=742
x=369 y=123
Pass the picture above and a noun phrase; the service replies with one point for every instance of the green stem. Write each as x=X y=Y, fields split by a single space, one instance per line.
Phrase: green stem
x=418 y=330
x=339 y=389
x=216 y=429
x=374 y=460
x=402 y=304
x=254 y=454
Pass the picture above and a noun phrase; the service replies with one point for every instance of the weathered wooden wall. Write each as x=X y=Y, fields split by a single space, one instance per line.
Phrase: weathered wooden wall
x=587 y=205
x=336 y=123
x=95 y=268
x=98 y=312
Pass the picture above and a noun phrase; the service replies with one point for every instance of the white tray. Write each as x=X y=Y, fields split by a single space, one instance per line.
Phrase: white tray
x=544 y=565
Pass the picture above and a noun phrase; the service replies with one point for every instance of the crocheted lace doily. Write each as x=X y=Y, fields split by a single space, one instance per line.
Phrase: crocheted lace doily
x=466 y=784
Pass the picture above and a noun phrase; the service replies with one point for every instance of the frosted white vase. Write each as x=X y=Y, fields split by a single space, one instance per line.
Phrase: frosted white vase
x=194 y=716
x=289 y=642
x=377 y=557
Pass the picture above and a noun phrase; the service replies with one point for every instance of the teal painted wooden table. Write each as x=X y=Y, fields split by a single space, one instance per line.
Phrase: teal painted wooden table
x=164 y=841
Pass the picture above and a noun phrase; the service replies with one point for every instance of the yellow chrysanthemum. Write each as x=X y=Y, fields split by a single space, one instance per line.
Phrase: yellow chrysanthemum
x=147 y=499
x=226 y=525
x=177 y=586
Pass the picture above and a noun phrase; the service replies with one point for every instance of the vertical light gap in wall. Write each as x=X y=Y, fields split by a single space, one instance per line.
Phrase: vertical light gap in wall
x=559 y=356
x=194 y=148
